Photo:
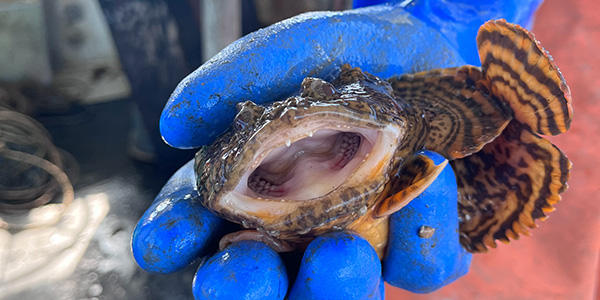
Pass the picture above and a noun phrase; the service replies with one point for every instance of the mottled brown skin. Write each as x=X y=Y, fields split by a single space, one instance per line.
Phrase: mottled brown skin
x=354 y=93
x=485 y=121
x=372 y=100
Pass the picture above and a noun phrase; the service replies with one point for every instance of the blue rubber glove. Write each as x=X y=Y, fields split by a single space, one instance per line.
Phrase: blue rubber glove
x=269 y=65
x=177 y=230
x=459 y=20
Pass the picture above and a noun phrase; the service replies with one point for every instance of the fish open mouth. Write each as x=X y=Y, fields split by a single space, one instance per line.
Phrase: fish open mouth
x=314 y=163
x=311 y=166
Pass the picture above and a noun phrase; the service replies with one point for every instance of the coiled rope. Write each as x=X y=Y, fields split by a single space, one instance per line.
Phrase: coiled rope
x=31 y=167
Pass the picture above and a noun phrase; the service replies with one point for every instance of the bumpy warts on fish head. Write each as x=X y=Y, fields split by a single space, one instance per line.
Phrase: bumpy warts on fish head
x=346 y=154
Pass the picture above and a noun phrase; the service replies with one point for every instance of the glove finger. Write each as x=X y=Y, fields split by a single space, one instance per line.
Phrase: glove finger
x=424 y=252
x=244 y=270
x=176 y=229
x=270 y=64
x=379 y=293
x=182 y=182
x=338 y=265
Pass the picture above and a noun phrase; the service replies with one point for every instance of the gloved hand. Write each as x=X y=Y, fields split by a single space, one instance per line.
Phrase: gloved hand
x=177 y=230
x=423 y=253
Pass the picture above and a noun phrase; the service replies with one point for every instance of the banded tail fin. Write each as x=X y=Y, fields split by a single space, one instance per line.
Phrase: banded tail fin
x=461 y=116
x=505 y=187
x=520 y=71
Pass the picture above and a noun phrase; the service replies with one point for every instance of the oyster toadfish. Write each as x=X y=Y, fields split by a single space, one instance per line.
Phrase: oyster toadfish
x=346 y=154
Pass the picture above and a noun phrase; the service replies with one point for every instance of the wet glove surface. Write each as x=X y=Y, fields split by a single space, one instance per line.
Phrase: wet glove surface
x=177 y=230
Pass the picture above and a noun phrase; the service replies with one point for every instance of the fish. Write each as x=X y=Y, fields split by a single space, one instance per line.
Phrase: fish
x=346 y=154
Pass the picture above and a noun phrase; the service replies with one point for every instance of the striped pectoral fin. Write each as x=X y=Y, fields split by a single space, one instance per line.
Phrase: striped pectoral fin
x=506 y=186
x=520 y=71
x=417 y=174
x=461 y=116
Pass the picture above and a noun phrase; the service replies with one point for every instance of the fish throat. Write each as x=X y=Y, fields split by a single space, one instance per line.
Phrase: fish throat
x=310 y=167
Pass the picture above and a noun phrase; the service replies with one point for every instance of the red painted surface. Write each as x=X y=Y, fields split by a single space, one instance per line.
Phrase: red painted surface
x=561 y=260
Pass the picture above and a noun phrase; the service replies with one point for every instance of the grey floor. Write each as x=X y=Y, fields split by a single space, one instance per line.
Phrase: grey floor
x=107 y=269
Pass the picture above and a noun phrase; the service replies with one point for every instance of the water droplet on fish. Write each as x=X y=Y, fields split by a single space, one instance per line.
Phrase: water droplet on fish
x=288 y=143
x=305 y=231
x=245 y=224
x=362 y=211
